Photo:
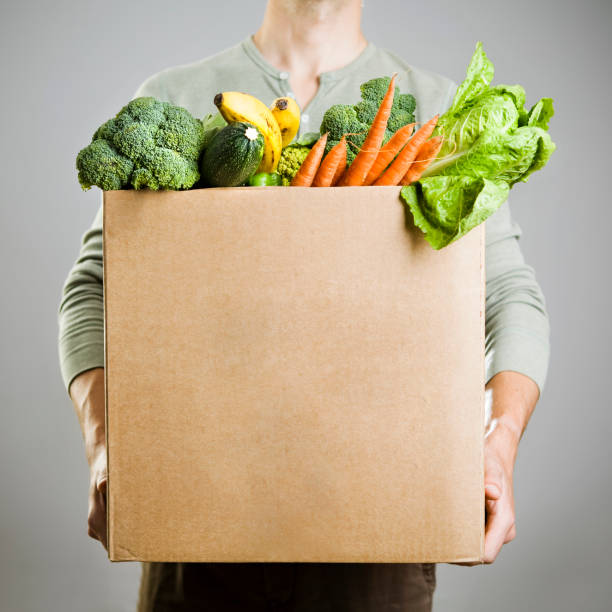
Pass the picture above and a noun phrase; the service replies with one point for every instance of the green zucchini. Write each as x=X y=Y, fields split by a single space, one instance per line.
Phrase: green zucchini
x=234 y=153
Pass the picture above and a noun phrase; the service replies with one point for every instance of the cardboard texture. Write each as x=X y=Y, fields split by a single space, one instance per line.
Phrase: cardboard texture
x=291 y=375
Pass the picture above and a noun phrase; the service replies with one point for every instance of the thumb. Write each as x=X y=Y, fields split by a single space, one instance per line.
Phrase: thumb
x=101 y=481
x=492 y=490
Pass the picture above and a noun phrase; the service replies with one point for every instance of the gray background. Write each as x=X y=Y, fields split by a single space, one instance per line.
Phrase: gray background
x=67 y=66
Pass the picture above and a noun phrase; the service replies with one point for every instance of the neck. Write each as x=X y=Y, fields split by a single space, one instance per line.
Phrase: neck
x=308 y=37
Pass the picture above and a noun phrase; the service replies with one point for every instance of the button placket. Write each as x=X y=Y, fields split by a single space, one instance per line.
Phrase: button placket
x=284 y=78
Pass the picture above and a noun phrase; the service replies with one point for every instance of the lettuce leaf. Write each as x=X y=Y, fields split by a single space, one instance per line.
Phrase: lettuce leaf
x=498 y=155
x=479 y=75
x=540 y=114
x=491 y=142
x=448 y=207
x=212 y=124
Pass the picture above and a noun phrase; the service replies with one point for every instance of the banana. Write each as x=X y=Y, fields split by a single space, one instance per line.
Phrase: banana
x=238 y=106
x=287 y=114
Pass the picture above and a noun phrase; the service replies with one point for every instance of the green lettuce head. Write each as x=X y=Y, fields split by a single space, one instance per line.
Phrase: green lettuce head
x=490 y=142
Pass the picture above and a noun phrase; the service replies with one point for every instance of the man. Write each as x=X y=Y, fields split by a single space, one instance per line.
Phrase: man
x=314 y=50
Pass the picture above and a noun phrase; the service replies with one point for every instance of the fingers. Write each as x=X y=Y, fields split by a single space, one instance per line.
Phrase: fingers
x=101 y=486
x=96 y=517
x=494 y=479
x=466 y=563
x=500 y=527
x=499 y=499
x=492 y=490
x=511 y=534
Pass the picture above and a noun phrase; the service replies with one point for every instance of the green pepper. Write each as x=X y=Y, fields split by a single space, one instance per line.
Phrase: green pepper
x=265 y=179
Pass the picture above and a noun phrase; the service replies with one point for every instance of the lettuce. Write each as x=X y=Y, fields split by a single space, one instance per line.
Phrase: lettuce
x=491 y=142
x=447 y=207
x=508 y=156
x=212 y=124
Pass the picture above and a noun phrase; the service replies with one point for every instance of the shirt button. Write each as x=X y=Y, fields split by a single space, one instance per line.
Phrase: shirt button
x=284 y=75
x=305 y=118
x=289 y=94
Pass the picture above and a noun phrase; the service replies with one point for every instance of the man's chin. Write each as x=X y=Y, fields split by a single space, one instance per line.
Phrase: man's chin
x=313 y=6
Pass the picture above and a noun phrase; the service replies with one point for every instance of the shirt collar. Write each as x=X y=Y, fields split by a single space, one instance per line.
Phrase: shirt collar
x=256 y=56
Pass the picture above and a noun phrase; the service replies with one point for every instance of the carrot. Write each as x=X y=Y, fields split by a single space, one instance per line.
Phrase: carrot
x=327 y=170
x=358 y=170
x=398 y=168
x=427 y=153
x=388 y=152
x=339 y=171
x=305 y=175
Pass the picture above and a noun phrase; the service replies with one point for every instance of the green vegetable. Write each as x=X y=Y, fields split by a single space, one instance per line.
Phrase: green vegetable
x=148 y=143
x=290 y=161
x=307 y=139
x=263 y=179
x=449 y=206
x=234 y=153
x=372 y=93
x=355 y=120
x=491 y=142
x=212 y=124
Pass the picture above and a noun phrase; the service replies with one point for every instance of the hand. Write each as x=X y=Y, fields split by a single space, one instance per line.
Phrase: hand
x=96 y=516
x=87 y=393
x=499 y=457
x=510 y=399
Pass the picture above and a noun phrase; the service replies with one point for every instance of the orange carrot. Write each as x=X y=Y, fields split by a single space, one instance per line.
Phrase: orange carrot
x=427 y=153
x=327 y=170
x=339 y=171
x=400 y=165
x=388 y=152
x=358 y=170
x=305 y=175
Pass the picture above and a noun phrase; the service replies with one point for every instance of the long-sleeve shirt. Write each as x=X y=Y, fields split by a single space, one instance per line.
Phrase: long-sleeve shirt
x=517 y=330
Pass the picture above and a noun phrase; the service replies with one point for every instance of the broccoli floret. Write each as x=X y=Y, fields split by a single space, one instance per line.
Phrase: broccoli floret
x=290 y=161
x=372 y=93
x=356 y=120
x=342 y=119
x=402 y=112
x=99 y=164
x=149 y=143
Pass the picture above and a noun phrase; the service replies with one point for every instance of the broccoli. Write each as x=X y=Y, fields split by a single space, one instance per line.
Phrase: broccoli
x=149 y=143
x=355 y=120
x=290 y=161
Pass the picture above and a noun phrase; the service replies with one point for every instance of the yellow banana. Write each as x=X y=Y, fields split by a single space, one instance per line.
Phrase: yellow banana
x=287 y=114
x=238 y=106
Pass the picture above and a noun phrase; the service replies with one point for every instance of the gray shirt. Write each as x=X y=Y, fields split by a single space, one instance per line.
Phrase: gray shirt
x=517 y=325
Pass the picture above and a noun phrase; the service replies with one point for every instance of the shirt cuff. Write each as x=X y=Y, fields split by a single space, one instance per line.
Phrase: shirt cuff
x=531 y=359
x=80 y=359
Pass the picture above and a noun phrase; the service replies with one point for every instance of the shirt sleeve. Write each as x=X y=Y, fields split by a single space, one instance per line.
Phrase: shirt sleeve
x=81 y=309
x=517 y=330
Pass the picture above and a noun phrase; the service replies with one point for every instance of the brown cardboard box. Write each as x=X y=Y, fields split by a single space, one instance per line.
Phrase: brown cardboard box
x=292 y=374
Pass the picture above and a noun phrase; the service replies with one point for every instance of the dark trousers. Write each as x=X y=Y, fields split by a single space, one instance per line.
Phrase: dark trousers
x=287 y=587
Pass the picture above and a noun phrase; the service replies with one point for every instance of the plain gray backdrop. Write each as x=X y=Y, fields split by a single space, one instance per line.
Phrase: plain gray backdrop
x=68 y=65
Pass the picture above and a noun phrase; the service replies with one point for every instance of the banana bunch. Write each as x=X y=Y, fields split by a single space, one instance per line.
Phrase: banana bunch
x=278 y=124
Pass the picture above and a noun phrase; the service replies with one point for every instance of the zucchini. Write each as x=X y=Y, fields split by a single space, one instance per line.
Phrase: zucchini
x=234 y=153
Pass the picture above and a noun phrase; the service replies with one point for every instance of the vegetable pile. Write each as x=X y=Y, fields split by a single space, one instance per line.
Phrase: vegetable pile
x=455 y=170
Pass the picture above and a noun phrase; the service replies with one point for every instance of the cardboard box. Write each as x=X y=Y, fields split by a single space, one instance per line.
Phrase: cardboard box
x=291 y=375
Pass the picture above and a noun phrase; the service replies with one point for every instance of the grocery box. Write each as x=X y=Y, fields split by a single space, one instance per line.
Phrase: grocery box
x=292 y=375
